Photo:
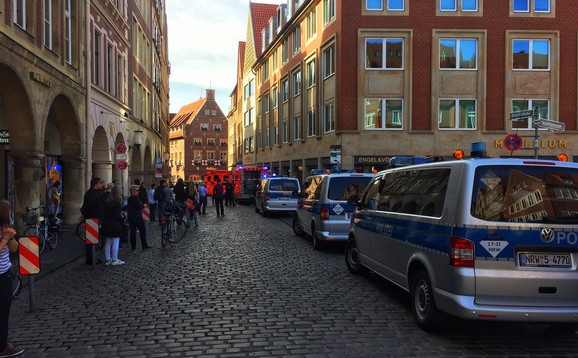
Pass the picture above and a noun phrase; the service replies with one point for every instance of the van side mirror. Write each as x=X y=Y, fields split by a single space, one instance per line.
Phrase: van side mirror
x=353 y=200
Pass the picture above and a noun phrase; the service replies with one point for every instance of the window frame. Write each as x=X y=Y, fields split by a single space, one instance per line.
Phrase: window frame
x=374 y=9
x=457 y=114
x=530 y=106
x=328 y=11
x=310 y=79
x=384 y=110
x=458 y=41
x=331 y=119
x=297 y=82
x=47 y=22
x=329 y=70
x=311 y=123
x=384 y=43
x=530 y=54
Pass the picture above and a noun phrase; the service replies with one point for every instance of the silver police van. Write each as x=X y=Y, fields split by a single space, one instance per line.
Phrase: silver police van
x=483 y=239
x=322 y=210
x=276 y=194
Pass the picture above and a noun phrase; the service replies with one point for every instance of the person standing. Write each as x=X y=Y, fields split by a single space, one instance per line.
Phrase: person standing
x=203 y=198
x=112 y=227
x=194 y=196
x=218 y=196
x=135 y=220
x=92 y=209
x=229 y=194
x=7 y=245
x=160 y=198
x=54 y=199
x=142 y=192
x=152 y=202
x=180 y=197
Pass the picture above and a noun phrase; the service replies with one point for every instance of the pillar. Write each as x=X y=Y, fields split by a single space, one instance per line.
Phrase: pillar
x=27 y=177
x=73 y=189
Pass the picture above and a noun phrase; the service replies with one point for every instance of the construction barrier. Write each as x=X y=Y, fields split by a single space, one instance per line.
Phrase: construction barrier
x=91 y=226
x=29 y=255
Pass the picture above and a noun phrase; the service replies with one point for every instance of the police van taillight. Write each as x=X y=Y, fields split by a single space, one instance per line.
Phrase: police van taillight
x=461 y=252
x=324 y=214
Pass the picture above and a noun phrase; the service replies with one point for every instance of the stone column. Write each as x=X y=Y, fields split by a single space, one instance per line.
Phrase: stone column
x=27 y=176
x=103 y=170
x=73 y=189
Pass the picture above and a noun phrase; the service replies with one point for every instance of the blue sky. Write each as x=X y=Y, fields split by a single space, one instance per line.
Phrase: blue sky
x=203 y=37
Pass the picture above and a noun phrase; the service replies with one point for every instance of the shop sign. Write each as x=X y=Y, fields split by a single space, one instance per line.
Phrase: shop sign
x=370 y=160
x=4 y=136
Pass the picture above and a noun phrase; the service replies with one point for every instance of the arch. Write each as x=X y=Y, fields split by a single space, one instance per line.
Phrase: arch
x=100 y=147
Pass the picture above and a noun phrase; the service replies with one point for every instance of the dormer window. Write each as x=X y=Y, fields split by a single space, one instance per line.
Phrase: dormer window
x=204 y=127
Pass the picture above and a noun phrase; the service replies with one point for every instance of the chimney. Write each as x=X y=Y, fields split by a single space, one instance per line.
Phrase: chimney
x=210 y=94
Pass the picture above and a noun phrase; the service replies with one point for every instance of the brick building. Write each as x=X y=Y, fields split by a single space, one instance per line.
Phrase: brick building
x=372 y=79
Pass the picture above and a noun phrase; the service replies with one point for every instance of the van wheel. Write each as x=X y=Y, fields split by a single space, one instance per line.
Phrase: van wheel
x=423 y=304
x=315 y=240
x=352 y=258
x=296 y=229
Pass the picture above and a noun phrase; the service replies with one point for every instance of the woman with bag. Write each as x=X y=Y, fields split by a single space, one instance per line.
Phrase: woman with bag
x=193 y=200
x=112 y=227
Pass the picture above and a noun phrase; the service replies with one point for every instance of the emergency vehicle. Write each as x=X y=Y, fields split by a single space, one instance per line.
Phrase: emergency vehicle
x=481 y=239
x=246 y=180
x=211 y=178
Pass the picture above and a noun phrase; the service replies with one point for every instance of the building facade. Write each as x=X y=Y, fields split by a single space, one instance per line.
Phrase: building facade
x=198 y=139
x=353 y=83
x=66 y=97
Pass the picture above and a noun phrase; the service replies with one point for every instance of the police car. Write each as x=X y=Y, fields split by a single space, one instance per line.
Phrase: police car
x=322 y=210
x=276 y=194
x=482 y=239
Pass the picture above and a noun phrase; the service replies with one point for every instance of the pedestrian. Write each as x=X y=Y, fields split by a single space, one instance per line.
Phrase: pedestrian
x=194 y=196
x=180 y=197
x=152 y=201
x=142 y=191
x=135 y=220
x=203 y=198
x=218 y=195
x=92 y=209
x=54 y=199
x=7 y=245
x=112 y=226
x=160 y=198
x=229 y=194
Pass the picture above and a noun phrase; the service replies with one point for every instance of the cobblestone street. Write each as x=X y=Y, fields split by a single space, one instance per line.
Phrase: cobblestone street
x=244 y=285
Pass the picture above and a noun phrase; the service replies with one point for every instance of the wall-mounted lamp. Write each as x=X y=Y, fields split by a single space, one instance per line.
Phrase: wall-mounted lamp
x=137 y=139
x=167 y=156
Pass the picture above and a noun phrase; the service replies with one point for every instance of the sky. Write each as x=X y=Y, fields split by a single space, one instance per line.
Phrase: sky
x=203 y=39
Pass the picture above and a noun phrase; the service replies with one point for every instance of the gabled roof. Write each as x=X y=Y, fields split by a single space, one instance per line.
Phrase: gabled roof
x=241 y=54
x=187 y=113
x=260 y=15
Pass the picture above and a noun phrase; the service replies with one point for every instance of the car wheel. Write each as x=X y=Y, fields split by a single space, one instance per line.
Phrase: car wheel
x=315 y=238
x=423 y=304
x=296 y=228
x=352 y=258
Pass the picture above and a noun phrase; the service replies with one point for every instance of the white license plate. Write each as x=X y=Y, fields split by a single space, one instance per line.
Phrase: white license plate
x=284 y=198
x=542 y=259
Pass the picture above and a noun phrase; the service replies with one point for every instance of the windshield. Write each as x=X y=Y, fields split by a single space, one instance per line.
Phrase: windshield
x=283 y=185
x=526 y=194
x=343 y=187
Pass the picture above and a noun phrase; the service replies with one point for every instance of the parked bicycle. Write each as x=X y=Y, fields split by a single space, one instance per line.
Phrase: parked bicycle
x=173 y=227
x=41 y=225
x=81 y=233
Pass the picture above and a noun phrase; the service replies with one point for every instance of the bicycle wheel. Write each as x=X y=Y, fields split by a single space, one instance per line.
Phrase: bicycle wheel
x=15 y=272
x=180 y=229
x=81 y=231
x=165 y=231
x=52 y=239
x=31 y=231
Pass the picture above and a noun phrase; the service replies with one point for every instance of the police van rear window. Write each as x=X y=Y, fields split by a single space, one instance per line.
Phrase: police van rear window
x=341 y=188
x=283 y=185
x=526 y=193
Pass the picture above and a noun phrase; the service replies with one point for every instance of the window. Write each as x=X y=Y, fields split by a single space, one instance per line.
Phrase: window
x=223 y=143
x=248 y=117
x=266 y=103
x=211 y=142
x=198 y=141
x=265 y=71
x=275 y=97
x=374 y=5
x=521 y=5
x=96 y=59
x=296 y=127
x=541 y=6
x=328 y=118
x=384 y=54
x=329 y=61
x=249 y=89
x=216 y=127
x=297 y=39
x=310 y=73
x=457 y=114
x=68 y=32
x=285 y=91
x=48 y=23
x=204 y=127
x=20 y=13
x=466 y=49
x=383 y=114
x=297 y=83
x=531 y=54
x=395 y=5
x=275 y=134
x=285 y=52
x=328 y=10
x=311 y=127
x=267 y=138
x=213 y=113
x=311 y=24
x=524 y=104
x=469 y=5
x=448 y=5
x=285 y=131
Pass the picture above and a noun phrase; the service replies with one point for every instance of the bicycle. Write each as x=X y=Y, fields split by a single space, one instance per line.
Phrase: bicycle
x=173 y=227
x=42 y=226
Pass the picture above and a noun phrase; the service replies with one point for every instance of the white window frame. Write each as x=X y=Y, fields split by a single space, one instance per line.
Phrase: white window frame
x=394 y=10
x=328 y=11
x=296 y=128
x=329 y=66
x=311 y=124
x=296 y=40
x=297 y=82
x=310 y=73
x=47 y=22
x=544 y=11
x=530 y=57
x=68 y=31
x=329 y=118
x=455 y=8
x=285 y=91
x=285 y=131
x=474 y=10
x=374 y=9
x=384 y=54
x=311 y=24
x=20 y=16
x=458 y=49
x=371 y=119
x=530 y=106
x=457 y=114
x=521 y=11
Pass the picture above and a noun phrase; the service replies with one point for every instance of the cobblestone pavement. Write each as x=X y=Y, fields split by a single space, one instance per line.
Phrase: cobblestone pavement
x=240 y=286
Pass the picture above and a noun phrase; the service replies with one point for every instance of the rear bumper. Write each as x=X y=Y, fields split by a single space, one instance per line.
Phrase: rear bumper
x=465 y=307
x=280 y=206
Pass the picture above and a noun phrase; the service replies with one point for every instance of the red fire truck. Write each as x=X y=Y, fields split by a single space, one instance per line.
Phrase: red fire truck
x=246 y=180
x=211 y=178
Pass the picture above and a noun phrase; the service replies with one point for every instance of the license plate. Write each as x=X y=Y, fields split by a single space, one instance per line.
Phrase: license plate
x=284 y=198
x=542 y=259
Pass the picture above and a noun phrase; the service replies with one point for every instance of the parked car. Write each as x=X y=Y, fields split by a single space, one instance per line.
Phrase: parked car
x=276 y=194
x=481 y=239
x=322 y=210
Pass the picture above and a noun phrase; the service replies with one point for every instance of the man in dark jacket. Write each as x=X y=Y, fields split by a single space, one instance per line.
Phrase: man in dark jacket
x=218 y=196
x=92 y=209
x=135 y=220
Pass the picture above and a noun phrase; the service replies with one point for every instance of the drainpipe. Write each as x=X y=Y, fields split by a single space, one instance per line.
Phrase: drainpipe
x=88 y=75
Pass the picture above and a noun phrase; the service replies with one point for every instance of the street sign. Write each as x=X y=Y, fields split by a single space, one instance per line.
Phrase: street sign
x=4 y=136
x=123 y=156
x=121 y=164
x=552 y=125
x=521 y=114
x=513 y=142
x=120 y=148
